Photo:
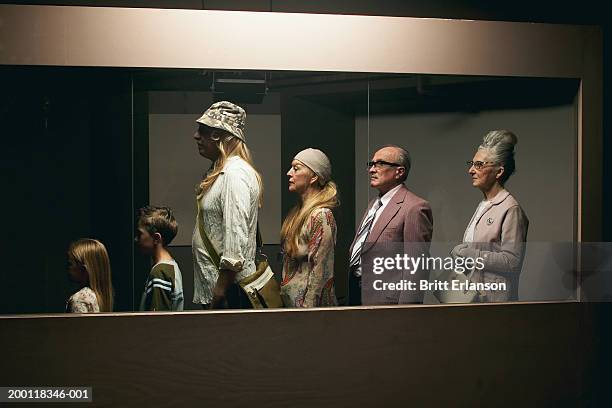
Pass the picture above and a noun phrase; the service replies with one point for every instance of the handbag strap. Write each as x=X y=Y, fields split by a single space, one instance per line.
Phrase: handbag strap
x=258 y=238
x=214 y=255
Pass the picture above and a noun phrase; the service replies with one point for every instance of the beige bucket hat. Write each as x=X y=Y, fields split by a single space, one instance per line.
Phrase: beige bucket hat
x=226 y=116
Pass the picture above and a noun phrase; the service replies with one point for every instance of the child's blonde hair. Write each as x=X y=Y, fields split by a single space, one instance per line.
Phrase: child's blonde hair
x=92 y=256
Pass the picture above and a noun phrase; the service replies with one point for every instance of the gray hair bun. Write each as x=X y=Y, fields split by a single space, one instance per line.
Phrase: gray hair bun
x=500 y=145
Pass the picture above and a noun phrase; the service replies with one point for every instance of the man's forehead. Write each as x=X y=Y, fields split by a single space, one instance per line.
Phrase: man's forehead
x=386 y=153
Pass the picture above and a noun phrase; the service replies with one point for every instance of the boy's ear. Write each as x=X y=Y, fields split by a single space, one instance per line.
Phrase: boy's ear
x=157 y=238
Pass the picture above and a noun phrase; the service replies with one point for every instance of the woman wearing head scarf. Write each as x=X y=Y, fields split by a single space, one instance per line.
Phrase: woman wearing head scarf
x=308 y=234
x=497 y=231
x=224 y=238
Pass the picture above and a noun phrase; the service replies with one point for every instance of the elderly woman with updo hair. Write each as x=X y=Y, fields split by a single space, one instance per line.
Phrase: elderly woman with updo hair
x=497 y=231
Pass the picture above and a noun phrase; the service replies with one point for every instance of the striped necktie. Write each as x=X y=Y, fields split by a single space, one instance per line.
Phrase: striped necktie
x=366 y=226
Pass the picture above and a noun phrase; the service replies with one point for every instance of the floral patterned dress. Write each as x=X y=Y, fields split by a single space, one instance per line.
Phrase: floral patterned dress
x=84 y=301
x=308 y=278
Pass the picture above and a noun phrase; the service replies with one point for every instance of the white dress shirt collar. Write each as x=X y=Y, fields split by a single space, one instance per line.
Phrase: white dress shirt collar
x=385 y=199
x=389 y=195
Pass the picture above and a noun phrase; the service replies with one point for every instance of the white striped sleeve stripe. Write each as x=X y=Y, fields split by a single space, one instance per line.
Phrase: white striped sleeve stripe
x=149 y=289
x=159 y=283
x=163 y=282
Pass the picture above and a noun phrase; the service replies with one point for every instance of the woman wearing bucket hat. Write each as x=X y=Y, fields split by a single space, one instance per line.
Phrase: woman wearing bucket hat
x=228 y=197
x=308 y=233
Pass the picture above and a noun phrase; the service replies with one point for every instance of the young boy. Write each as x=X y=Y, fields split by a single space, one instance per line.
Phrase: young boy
x=164 y=285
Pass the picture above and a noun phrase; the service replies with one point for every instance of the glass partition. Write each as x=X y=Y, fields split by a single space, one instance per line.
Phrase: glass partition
x=518 y=230
x=286 y=112
x=86 y=148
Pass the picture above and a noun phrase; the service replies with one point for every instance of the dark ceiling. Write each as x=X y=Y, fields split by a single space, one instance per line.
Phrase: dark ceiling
x=584 y=12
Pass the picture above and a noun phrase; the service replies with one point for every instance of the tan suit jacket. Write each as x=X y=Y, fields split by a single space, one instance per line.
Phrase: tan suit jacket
x=500 y=236
x=406 y=220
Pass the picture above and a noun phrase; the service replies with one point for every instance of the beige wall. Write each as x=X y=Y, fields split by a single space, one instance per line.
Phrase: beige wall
x=99 y=36
x=440 y=144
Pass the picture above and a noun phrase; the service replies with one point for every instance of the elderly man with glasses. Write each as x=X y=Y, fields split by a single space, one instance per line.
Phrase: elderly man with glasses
x=395 y=216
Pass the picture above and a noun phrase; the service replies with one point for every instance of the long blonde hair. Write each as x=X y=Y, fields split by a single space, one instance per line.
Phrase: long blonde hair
x=228 y=145
x=91 y=255
x=325 y=197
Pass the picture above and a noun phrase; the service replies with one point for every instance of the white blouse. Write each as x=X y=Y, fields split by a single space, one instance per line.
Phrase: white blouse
x=229 y=214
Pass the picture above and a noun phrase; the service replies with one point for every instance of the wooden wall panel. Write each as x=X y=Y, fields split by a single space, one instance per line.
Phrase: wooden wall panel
x=479 y=355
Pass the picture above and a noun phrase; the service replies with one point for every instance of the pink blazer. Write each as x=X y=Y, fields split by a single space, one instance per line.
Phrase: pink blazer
x=407 y=219
x=500 y=236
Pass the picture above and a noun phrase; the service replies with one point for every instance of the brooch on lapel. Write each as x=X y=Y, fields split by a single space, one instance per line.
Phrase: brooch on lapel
x=489 y=221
